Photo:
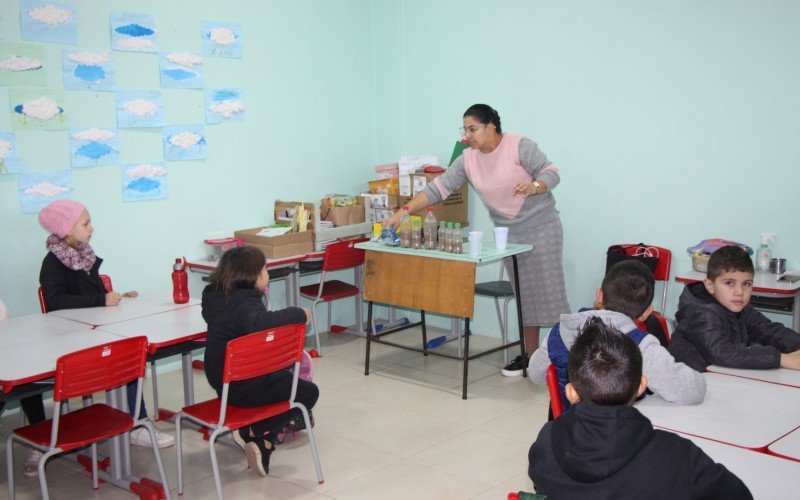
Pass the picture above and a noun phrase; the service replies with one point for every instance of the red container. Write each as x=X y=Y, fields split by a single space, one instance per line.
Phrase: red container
x=180 y=282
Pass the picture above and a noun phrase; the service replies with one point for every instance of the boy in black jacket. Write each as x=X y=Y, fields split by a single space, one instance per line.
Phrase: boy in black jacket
x=602 y=447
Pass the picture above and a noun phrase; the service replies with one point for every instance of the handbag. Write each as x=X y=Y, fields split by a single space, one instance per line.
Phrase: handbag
x=646 y=254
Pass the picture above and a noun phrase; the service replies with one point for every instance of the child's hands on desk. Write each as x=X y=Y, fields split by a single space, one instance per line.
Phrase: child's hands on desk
x=791 y=360
x=131 y=295
x=112 y=299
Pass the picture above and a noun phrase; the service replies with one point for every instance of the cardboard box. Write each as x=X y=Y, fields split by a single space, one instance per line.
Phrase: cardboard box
x=385 y=186
x=284 y=211
x=453 y=209
x=405 y=185
x=389 y=171
x=390 y=201
x=278 y=246
x=378 y=214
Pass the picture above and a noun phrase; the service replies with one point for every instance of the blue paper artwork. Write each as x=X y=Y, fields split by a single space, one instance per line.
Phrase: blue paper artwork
x=144 y=181
x=22 y=64
x=85 y=70
x=37 y=109
x=181 y=70
x=9 y=155
x=224 y=105
x=41 y=21
x=139 y=109
x=38 y=189
x=221 y=39
x=93 y=147
x=185 y=142
x=133 y=32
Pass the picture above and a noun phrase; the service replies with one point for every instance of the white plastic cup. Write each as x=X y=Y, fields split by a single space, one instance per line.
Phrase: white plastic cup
x=475 y=241
x=500 y=238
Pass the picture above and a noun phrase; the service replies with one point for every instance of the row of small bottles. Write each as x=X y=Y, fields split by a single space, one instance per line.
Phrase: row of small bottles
x=447 y=237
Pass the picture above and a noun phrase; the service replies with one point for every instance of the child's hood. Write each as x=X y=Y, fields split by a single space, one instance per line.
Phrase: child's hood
x=571 y=324
x=215 y=303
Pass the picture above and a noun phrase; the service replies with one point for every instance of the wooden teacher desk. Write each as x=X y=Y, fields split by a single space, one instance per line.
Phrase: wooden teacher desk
x=430 y=281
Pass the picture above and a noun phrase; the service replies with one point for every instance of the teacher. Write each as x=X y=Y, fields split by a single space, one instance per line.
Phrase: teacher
x=515 y=180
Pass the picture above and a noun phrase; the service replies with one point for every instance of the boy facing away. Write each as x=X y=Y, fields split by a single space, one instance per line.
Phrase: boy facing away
x=602 y=447
x=625 y=296
x=718 y=326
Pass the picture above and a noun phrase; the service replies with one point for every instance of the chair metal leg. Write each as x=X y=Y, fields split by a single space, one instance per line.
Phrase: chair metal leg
x=314 y=324
x=157 y=454
x=155 y=388
x=42 y=477
x=179 y=450
x=214 y=466
x=503 y=334
x=312 y=443
x=330 y=317
x=95 y=481
x=10 y=465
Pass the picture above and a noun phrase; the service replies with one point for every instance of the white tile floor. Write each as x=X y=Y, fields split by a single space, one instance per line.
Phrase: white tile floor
x=401 y=432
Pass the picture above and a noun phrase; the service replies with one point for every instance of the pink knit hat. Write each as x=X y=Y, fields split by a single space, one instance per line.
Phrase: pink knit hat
x=60 y=216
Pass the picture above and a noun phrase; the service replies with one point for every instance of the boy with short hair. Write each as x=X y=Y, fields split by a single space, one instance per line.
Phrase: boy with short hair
x=625 y=296
x=718 y=326
x=602 y=447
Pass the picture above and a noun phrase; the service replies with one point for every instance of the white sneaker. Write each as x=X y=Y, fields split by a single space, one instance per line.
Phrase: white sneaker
x=140 y=437
x=31 y=465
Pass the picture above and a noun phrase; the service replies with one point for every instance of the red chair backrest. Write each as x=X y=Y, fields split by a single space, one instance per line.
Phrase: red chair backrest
x=664 y=265
x=100 y=368
x=343 y=255
x=263 y=352
x=662 y=321
x=106 y=279
x=555 y=396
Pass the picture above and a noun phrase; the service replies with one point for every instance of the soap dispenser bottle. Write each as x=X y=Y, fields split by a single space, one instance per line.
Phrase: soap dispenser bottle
x=764 y=253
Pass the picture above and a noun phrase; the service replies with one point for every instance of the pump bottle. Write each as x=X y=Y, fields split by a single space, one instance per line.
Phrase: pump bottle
x=764 y=253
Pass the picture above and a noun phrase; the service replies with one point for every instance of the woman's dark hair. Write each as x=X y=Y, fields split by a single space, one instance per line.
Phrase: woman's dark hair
x=238 y=268
x=484 y=114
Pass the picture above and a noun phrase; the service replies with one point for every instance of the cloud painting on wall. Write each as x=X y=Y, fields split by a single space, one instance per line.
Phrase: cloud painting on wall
x=84 y=70
x=37 y=109
x=133 y=32
x=38 y=189
x=41 y=21
x=221 y=39
x=224 y=105
x=144 y=181
x=22 y=64
x=185 y=142
x=181 y=70
x=93 y=147
x=9 y=155
x=139 y=109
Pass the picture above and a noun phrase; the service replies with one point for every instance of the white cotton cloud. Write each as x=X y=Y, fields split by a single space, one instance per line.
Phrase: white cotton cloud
x=50 y=15
x=5 y=148
x=227 y=108
x=140 y=107
x=46 y=189
x=184 y=140
x=89 y=58
x=94 y=134
x=135 y=43
x=41 y=108
x=146 y=170
x=184 y=59
x=222 y=36
x=19 y=63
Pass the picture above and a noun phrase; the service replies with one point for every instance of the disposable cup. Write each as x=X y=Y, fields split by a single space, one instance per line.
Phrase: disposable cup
x=500 y=237
x=475 y=241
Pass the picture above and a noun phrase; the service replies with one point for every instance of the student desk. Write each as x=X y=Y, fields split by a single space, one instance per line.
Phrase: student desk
x=764 y=285
x=128 y=308
x=782 y=376
x=430 y=281
x=736 y=411
x=788 y=447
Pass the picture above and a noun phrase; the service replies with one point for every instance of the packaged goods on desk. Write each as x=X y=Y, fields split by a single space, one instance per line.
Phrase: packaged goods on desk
x=342 y=210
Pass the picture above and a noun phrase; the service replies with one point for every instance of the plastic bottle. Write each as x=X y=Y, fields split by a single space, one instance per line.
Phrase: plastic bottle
x=180 y=282
x=764 y=253
x=442 y=235
x=416 y=235
x=405 y=229
x=430 y=230
x=458 y=238
x=448 y=239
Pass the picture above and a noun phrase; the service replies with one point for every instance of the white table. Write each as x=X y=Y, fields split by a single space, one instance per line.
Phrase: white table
x=34 y=328
x=736 y=411
x=788 y=446
x=128 y=308
x=782 y=376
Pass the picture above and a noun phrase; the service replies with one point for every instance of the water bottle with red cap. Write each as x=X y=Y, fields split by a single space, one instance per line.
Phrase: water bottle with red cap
x=180 y=282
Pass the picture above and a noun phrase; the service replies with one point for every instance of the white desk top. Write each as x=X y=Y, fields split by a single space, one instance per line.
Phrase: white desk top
x=762 y=282
x=129 y=308
x=488 y=252
x=737 y=411
x=35 y=328
x=210 y=265
x=163 y=329
x=766 y=476
x=782 y=376
x=787 y=446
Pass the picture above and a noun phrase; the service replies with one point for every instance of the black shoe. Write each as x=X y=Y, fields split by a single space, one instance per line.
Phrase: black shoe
x=258 y=454
x=514 y=369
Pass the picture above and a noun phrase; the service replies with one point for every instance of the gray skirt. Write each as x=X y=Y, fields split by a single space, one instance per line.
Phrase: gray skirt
x=543 y=295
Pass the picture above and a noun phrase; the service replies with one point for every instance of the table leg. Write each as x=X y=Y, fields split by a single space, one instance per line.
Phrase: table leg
x=358 y=275
x=369 y=336
x=188 y=378
x=424 y=334
x=466 y=358
x=519 y=314
x=293 y=288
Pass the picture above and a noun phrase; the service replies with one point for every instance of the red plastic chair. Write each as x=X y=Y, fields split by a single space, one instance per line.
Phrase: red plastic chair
x=663 y=321
x=663 y=267
x=100 y=368
x=248 y=357
x=555 y=396
x=106 y=279
x=338 y=256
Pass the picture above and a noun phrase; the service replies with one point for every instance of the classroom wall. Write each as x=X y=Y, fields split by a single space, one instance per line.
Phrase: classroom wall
x=670 y=122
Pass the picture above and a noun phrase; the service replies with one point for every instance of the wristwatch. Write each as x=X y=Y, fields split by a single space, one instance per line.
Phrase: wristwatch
x=536 y=185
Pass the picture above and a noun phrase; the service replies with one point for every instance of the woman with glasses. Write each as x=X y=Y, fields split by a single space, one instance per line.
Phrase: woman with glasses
x=515 y=180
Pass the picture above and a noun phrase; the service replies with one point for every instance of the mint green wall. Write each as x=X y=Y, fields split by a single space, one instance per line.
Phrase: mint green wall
x=670 y=121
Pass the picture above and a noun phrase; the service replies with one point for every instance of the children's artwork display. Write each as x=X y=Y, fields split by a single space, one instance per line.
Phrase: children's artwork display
x=22 y=64
x=221 y=39
x=38 y=189
x=9 y=155
x=133 y=32
x=224 y=105
x=181 y=70
x=139 y=109
x=185 y=142
x=144 y=181
x=93 y=147
x=85 y=70
x=42 y=21
x=37 y=109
